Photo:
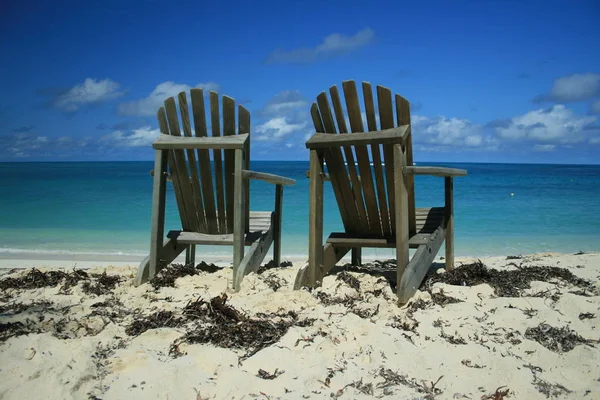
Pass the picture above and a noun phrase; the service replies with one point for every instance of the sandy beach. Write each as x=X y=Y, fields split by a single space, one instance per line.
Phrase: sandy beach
x=523 y=327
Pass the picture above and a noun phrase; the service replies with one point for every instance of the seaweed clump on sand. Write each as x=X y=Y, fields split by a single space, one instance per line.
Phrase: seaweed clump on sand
x=556 y=339
x=506 y=283
x=160 y=319
x=220 y=324
x=167 y=276
x=102 y=284
x=36 y=279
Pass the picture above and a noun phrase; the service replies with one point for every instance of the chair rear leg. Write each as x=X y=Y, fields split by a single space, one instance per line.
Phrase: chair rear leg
x=357 y=256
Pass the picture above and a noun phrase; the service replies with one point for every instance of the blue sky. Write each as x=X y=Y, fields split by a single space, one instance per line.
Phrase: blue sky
x=489 y=81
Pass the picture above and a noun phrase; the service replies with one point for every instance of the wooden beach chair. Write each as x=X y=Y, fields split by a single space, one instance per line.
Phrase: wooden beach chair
x=212 y=197
x=377 y=204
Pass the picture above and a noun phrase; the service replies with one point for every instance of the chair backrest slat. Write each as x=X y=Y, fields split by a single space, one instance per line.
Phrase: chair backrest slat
x=403 y=118
x=212 y=225
x=229 y=129
x=218 y=161
x=377 y=160
x=350 y=163
x=362 y=154
x=164 y=129
x=244 y=127
x=192 y=164
x=386 y=119
x=179 y=169
x=337 y=171
x=204 y=198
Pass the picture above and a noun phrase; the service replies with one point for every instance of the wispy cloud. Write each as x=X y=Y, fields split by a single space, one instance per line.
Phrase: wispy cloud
x=148 y=106
x=332 y=45
x=140 y=137
x=572 y=88
x=91 y=91
x=28 y=145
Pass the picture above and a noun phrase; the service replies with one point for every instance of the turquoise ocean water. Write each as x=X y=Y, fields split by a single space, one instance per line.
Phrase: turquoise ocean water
x=103 y=208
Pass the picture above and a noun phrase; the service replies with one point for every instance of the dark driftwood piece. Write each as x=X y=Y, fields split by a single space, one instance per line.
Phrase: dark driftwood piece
x=218 y=215
x=376 y=204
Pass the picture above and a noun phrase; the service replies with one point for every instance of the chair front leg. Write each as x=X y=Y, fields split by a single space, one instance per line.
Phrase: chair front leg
x=315 y=228
x=277 y=225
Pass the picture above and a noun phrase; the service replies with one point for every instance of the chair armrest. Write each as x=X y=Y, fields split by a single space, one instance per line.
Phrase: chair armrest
x=169 y=142
x=271 y=178
x=386 y=136
x=436 y=171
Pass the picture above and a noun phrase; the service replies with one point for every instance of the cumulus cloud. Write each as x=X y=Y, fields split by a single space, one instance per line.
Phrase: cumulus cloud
x=140 y=137
x=148 y=106
x=444 y=133
x=277 y=128
x=285 y=116
x=557 y=124
x=91 y=91
x=572 y=88
x=331 y=45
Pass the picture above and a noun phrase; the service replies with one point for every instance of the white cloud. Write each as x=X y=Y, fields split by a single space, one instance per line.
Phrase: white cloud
x=140 y=137
x=449 y=132
x=594 y=140
x=277 y=129
x=89 y=92
x=284 y=102
x=544 y=147
x=148 y=106
x=595 y=107
x=572 y=88
x=556 y=124
x=333 y=44
x=24 y=145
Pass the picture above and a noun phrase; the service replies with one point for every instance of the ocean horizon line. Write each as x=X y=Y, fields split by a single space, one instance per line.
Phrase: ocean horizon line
x=417 y=162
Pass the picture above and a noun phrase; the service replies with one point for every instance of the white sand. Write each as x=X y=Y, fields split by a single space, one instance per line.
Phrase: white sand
x=79 y=355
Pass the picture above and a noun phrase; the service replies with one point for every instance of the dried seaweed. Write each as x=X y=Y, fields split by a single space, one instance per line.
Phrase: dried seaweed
x=556 y=339
x=160 y=319
x=35 y=279
x=586 y=315
x=167 y=276
x=208 y=268
x=10 y=329
x=506 y=283
x=271 y=265
x=392 y=378
x=103 y=284
x=499 y=394
x=265 y=375
x=348 y=279
x=441 y=299
x=550 y=389
x=220 y=324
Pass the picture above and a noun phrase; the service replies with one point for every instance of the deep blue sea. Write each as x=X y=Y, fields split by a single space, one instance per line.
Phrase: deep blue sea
x=103 y=208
